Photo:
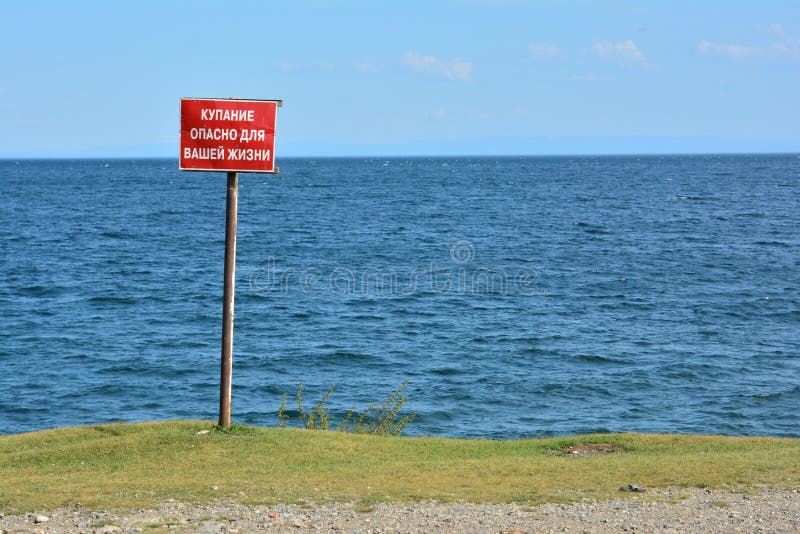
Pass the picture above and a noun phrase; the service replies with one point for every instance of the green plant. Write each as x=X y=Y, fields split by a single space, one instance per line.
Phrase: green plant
x=283 y=418
x=300 y=408
x=380 y=419
x=319 y=419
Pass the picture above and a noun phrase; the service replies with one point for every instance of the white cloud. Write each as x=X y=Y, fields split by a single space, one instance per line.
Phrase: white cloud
x=731 y=50
x=544 y=50
x=418 y=62
x=626 y=53
x=455 y=69
x=438 y=113
x=458 y=70
x=365 y=67
x=787 y=46
x=788 y=49
x=777 y=29
x=286 y=66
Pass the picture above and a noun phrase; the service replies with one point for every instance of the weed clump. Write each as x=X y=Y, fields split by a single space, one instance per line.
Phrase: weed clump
x=380 y=419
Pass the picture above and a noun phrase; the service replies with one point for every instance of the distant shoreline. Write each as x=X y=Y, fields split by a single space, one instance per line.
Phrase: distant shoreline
x=5 y=158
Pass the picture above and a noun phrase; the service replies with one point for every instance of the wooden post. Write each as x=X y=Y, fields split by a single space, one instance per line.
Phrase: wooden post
x=226 y=371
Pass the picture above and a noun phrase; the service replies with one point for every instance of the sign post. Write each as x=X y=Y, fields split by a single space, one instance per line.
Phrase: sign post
x=228 y=292
x=235 y=136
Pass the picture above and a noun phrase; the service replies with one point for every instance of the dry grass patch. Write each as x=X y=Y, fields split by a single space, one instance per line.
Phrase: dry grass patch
x=589 y=449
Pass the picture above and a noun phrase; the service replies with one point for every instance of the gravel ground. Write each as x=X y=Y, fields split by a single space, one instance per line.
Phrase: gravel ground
x=669 y=510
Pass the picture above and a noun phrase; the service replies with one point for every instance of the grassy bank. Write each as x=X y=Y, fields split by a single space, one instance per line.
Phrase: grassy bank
x=133 y=465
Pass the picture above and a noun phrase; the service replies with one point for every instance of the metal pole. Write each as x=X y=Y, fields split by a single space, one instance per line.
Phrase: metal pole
x=226 y=371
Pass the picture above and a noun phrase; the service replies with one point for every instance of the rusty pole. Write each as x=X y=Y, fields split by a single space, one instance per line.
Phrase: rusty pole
x=226 y=370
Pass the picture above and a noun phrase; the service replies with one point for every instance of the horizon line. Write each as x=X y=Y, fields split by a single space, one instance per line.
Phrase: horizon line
x=421 y=156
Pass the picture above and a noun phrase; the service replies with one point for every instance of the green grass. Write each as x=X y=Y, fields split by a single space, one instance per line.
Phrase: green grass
x=140 y=465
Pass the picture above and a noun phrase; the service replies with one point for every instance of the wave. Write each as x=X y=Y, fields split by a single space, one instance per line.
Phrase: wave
x=781 y=244
x=349 y=356
x=596 y=358
x=447 y=371
x=792 y=392
x=113 y=300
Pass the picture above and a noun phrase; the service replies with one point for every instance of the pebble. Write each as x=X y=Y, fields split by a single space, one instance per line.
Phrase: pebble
x=658 y=510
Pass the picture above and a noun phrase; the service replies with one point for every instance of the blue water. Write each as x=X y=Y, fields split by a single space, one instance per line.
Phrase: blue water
x=518 y=296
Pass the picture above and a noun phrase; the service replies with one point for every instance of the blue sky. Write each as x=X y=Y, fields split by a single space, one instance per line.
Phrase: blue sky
x=87 y=78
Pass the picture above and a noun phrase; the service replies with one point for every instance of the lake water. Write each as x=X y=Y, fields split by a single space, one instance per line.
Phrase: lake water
x=518 y=296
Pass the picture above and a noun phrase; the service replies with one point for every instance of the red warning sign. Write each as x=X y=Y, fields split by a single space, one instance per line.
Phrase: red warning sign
x=228 y=135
